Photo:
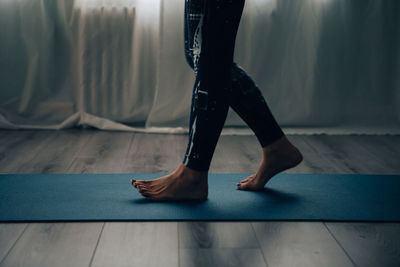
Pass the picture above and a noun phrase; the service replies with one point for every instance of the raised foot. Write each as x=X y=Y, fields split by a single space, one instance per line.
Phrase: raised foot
x=277 y=157
x=183 y=184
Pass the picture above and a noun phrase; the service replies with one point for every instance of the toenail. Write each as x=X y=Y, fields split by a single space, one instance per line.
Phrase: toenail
x=238 y=184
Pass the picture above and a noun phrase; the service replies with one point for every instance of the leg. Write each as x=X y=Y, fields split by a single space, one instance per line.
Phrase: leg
x=249 y=103
x=278 y=153
x=247 y=100
x=210 y=31
x=213 y=49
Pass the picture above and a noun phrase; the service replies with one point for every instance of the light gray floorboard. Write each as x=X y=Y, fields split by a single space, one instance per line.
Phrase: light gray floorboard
x=392 y=141
x=223 y=160
x=369 y=244
x=313 y=161
x=299 y=244
x=105 y=152
x=58 y=153
x=22 y=147
x=144 y=244
x=347 y=155
x=216 y=235
x=199 y=243
x=9 y=233
x=151 y=153
x=219 y=257
x=11 y=138
x=54 y=244
x=387 y=155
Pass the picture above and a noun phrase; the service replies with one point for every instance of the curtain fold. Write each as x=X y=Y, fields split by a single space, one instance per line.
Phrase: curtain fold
x=324 y=66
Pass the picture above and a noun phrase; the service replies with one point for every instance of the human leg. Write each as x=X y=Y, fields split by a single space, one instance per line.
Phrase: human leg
x=247 y=101
x=210 y=27
x=212 y=54
x=278 y=153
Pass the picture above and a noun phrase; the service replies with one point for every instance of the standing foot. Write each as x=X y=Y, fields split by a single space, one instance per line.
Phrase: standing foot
x=183 y=184
x=277 y=157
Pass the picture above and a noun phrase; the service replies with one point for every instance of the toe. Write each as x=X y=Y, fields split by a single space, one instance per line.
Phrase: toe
x=139 y=182
x=140 y=188
x=143 y=182
x=245 y=186
x=143 y=188
x=239 y=185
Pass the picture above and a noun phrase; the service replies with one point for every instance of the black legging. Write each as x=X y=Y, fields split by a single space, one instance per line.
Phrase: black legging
x=210 y=31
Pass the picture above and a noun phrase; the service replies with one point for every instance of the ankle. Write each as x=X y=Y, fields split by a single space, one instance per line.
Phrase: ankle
x=183 y=169
x=275 y=146
x=282 y=147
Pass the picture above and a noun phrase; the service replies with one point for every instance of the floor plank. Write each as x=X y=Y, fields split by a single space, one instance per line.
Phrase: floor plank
x=9 y=233
x=313 y=161
x=231 y=155
x=386 y=155
x=219 y=257
x=216 y=235
x=144 y=244
x=346 y=155
x=10 y=139
x=105 y=152
x=57 y=154
x=151 y=153
x=392 y=141
x=369 y=244
x=21 y=148
x=299 y=244
x=55 y=244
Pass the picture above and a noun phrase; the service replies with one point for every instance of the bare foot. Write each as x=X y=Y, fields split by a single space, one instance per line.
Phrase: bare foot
x=183 y=184
x=277 y=157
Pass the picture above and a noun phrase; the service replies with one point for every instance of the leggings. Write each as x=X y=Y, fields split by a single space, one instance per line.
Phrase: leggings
x=209 y=32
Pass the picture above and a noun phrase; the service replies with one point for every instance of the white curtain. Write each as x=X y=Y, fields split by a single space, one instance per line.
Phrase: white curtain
x=328 y=66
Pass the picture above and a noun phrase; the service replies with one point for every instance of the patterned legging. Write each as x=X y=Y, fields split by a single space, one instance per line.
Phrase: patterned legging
x=210 y=31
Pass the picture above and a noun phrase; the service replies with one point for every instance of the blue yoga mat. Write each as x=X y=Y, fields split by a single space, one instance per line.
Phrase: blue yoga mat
x=110 y=197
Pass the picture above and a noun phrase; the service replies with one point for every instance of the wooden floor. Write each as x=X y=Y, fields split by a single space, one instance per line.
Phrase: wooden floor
x=193 y=243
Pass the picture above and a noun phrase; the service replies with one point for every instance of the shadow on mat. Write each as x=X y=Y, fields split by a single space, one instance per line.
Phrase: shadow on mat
x=275 y=196
x=267 y=195
x=182 y=202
